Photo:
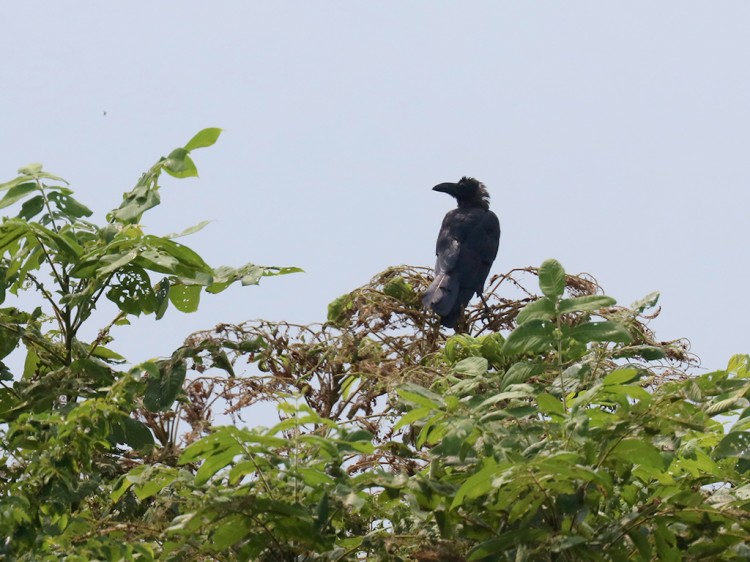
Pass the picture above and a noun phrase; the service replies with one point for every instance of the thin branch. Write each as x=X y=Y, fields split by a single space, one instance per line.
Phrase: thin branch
x=46 y=204
x=48 y=296
x=78 y=320
x=104 y=332
x=51 y=264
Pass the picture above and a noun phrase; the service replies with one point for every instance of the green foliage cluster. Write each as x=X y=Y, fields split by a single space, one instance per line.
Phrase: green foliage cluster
x=559 y=430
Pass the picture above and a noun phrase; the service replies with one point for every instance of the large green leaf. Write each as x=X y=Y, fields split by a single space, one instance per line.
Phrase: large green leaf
x=184 y=255
x=67 y=246
x=639 y=451
x=179 y=165
x=587 y=303
x=535 y=336
x=340 y=309
x=621 y=376
x=520 y=372
x=479 y=483
x=188 y=231
x=606 y=331
x=203 y=138
x=552 y=279
x=735 y=444
x=492 y=547
x=17 y=193
x=649 y=301
x=131 y=291
x=185 y=298
x=68 y=206
x=9 y=339
x=471 y=366
x=10 y=231
x=163 y=386
x=31 y=207
x=153 y=480
x=135 y=203
x=548 y=404
x=230 y=531
x=161 y=292
x=542 y=309
x=131 y=432
x=113 y=262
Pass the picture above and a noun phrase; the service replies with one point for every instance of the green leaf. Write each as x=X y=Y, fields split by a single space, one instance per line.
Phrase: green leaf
x=162 y=390
x=517 y=391
x=471 y=367
x=492 y=547
x=413 y=415
x=621 y=376
x=185 y=298
x=68 y=206
x=14 y=182
x=215 y=463
x=134 y=204
x=315 y=478
x=548 y=404
x=224 y=276
x=9 y=341
x=649 y=301
x=221 y=439
x=16 y=193
x=107 y=354
x=203 y=138
x=188 y=259
x=735 y=444
x=491 y=348
x=541 y=309
x=552 y=279
x=587 y=303
x=479 y=483
x=161 y=292
x=339 y=310
x=153 y=481
x=231 y=530
x=606 y=331
x=647 y=352
x=520 y=372
x=666 y=544
x=132 y=433
x=31 y=207
x=115 y=262
x=415 y=394
x=124 y=483
x=639 y=452
x=179 y=165
x=159 y=261
x=400 y=290
x=30 y=169
x=725 y=403
x=188 y=231
x=535 y=336
x=131 y=290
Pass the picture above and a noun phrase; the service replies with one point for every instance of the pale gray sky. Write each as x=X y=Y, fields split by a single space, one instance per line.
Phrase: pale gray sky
x=613 y=136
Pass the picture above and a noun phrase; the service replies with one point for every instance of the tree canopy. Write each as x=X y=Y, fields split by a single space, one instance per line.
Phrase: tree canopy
x=552 y=425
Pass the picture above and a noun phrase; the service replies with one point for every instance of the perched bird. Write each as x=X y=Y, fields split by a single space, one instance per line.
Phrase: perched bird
x=466 y=247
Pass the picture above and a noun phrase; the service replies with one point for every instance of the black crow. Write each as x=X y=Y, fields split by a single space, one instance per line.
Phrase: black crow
x=466 y=247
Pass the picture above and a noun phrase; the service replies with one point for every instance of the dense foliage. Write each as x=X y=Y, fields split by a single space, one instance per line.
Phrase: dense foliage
x=549 y=427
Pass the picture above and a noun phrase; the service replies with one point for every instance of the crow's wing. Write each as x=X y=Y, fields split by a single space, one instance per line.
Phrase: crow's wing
x=466 y=247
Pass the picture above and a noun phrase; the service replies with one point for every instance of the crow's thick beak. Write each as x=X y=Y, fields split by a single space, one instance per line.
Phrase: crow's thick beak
x=447 y=187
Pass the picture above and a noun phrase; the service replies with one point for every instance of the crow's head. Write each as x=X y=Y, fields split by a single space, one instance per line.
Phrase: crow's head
x=469 y=192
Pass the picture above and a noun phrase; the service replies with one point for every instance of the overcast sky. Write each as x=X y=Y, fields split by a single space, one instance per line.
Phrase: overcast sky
x=613 y=136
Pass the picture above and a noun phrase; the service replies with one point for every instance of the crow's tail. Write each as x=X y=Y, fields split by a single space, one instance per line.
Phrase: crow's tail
x=442 y=296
